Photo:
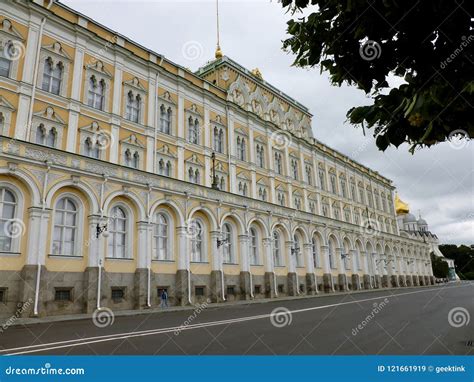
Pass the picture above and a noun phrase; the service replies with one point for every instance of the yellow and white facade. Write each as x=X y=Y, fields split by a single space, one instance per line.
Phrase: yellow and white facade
x=106 y=178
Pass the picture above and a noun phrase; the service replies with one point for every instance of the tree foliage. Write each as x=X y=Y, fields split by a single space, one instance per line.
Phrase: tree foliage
x=427 y=43
x=463 y=257
x=440 y=267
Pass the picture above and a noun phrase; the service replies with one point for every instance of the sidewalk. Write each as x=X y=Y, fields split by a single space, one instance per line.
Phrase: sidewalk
x=153 y=310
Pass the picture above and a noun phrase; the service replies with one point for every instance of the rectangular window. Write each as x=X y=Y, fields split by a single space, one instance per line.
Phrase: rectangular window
x=231 y=290
x=3 y=295
x=118 y=294
x=63 y=294
x=199 y=291
x=281 y=288
x=258 y=289
x=301 y=288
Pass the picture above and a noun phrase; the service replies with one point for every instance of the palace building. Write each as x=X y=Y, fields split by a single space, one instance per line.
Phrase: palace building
x=123 y=174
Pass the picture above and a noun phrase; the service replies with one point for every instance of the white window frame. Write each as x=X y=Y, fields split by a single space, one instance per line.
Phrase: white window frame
x=128 y=255
x=18 y=216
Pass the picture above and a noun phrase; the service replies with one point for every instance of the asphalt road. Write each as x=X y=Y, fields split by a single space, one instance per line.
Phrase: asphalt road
x=430 y=320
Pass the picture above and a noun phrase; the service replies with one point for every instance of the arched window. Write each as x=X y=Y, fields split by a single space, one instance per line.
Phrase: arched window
x=322 y=179
x=96 y=93
x=191 y=175
x=276 y=249
x=294 y=168
x=253 y=247
x=227 y=249
x=52 y=76
x=332 y=254
x=193 y=130
x=136 y=160
x=342 y=181
x=168 y=169
x=298 y=251
x=8 y=205
x=165 y=119
x=197 y=253
x=40 y=135
x=218 y=140
x=91 y=149
x=133 y=107
x=222 y=183
x=197 y=176
x=332 y=178
x=260 y=156
x=161 y=238
x=51 y=137
x=309 y=174
x=314 y=250
x=117 y=227
x=128 y=158
x=65 y=227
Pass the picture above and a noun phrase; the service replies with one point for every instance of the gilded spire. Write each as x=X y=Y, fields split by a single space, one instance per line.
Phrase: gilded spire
x=401 y=207
x=218 y=53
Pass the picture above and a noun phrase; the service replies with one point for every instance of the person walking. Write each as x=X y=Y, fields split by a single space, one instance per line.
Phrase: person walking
x=164 y=299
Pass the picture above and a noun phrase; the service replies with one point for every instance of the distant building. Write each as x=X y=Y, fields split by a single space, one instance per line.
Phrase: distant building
x=410 y=226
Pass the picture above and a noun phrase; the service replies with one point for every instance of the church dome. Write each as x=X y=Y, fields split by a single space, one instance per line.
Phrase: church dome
x=422 y=222
x=401 y=207
x=409 y=218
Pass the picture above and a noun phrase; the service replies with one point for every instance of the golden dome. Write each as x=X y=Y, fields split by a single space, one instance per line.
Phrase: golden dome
x=218 y=53
x=401 y=207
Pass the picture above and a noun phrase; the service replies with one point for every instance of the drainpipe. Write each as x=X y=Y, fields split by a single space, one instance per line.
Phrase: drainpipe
x=148 y=297
x=188 y=264
x=43 y=208
x=156 y=121
x=99 y=260
x=35 y=74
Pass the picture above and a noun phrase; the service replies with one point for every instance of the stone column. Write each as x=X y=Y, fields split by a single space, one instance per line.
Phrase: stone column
x=342 y=277
x=216 y=272
x=38 y=223
x=327 y=276
x=378 y=278
x=95 y=247
x=291 y=277
x=143 y=259
x=183 y=273
x=355 y=280
x=311 y=287
x=269 y=278
x=366 y=277
x=245 y=281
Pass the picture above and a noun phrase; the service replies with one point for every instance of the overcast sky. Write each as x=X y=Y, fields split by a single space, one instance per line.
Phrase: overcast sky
x=438 y=181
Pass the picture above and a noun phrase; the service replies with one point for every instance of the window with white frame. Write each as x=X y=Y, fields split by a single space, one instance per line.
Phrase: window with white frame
x=315 y=252
x=294 y=168
x=65 y=227
x=262 y=193
x=193 y=130
x=312 y=205
x=227 y=247
x=325 y=208
x=297 y=201
x=96 y=93
x=218 y=139
x=8 y=207
x=322 y=178
x=278 y=163
x=92 y=147
x=243 y=188
x=5 y=61
x=277 y=258
x=347 y=214
x=164 y=167
x=46 y=136
x=132 y=158
x=117 y=239
x=260 y=155
x=353 y=191
x=309 y=174
x=194 y=176
x=281 y=198
x=197 y=250
x=241 y=148
x=336 y=212
x=254 y=258
x=298 y=251
x=332 y=180
x=342 y=181
x=52 y=76
x=165 y=119
x=133 y=107
x=161 y=237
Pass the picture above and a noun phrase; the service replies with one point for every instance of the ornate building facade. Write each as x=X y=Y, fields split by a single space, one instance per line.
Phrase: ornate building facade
x=123 y=174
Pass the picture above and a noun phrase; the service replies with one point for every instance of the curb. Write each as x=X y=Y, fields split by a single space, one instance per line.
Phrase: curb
x=126 y=313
